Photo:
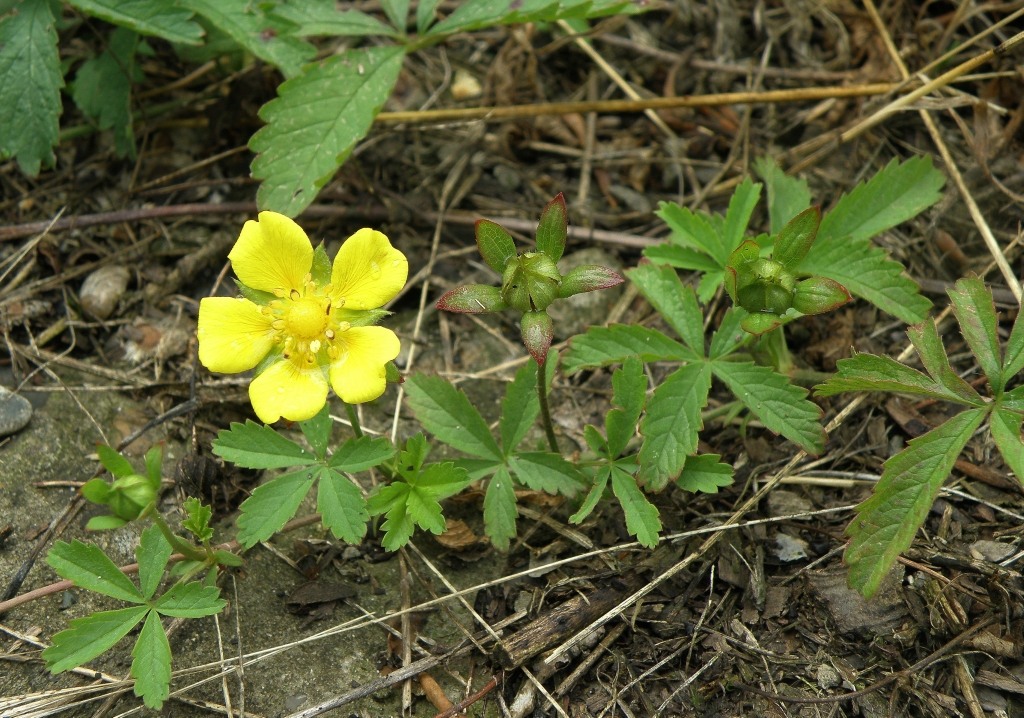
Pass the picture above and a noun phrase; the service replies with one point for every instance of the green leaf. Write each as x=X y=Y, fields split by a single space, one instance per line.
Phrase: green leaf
x=642 y=518
x=255 y=446
x=1013 y=362
x=104 y=523
x=446 y=412
x=96 y=491
x=781 y=407
x=425 y=511
x=152 y=553
x=361 y=453
x=519 y=407
x=737 y=217
x=197 y=519
x=399 y=526
x=271 y=505
x=154 y=460
x=601 y=346
x=190 y=600
x=146 y=17
x=694 y=231
x=869 y=372
x=787 y=196
x=925 y=339
x=682 y=258
x=425 y=10
x=477 y=14
x=1013 y=399
x=442 y=480
x=704 y=472
x=315 y=122
x=629 y=394
x=795 y=239
x=546 y=472
x=30 y=104
x=246 y=24
x=1005 y=427
x=495 y=244
x=318 y=431
x=341 y=506
x=500 y=509
x=102 y=88
x=672 y=423
x=676 y=303
x=553 y=228
x=593 y=496
x=322 y=17
x=88 y=637
x=151 y=664
x=397 y=12
x=114 y=462
x=88 y=567
x=729 y=336
x=974 y=310
x=816 y=295
x=885 y=524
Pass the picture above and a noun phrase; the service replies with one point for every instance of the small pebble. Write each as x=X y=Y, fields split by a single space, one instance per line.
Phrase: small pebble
x=103 y=289
x=15 y=411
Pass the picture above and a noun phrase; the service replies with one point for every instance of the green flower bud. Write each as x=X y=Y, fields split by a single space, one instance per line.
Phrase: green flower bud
x=530 y=282
x=130 y=495
x=764 y=285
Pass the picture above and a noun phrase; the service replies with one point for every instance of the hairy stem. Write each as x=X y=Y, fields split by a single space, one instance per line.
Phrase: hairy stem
x=545 y=412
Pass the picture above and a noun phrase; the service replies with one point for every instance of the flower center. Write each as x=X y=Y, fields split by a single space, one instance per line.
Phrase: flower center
x=306 y=318
x=302 y=322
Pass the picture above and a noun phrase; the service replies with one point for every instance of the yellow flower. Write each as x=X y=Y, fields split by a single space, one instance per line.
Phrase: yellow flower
x=304 y=333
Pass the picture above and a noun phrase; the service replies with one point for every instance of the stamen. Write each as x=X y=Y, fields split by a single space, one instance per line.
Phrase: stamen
x=330 y=335
x=314 y=346
x=278 y=324
x=295 y=294
x=344 y=326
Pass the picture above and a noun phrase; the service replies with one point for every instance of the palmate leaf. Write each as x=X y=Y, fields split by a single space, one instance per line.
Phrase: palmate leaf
x=85 y=638
x=781 y=407
x=672 y=424
x=446 y=412
x=476 y=14
x=677 y=304
x=255 y=446
x=146 y=17
x=886 y=522
x=341 y=506
x=271 y=505
x=259 y=34
x=88 y=567
x=315 y=121
x=500 y=509
x=601 y=346
x=151 y=663
x=641 y=515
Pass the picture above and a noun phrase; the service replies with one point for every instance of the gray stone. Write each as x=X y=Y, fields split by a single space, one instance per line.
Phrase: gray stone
x=15 y=411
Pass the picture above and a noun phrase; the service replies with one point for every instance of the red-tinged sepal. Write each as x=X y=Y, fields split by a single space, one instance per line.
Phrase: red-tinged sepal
x=553 y=228
x=588 y=278
x=538 y=332
x=819 y=294
x=472 y=299
x=495 y=244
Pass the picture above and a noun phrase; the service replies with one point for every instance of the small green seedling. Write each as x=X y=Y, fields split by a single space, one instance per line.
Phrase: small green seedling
x=130 y=495
x=886 y=522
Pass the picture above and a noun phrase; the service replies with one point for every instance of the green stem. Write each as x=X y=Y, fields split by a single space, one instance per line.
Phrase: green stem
x=177 y=543
x=353 y=417
x=773 y=345
x=545 y=412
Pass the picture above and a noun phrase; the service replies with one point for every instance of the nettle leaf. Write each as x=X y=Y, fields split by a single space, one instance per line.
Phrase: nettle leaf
x=315 y=122
x=1005 y=427
x=30 y=103
x=245 y=23
x=341 y=506
x=85 y=638
x=601 y=346
x=976 y=313
x=151 y=664
x=477 y=14
x=870 y=372
x=361 y=453
x=322 y=17
x=787 y=196
x=672 y=423
x=271 y=505
x=446 y=412
x=593 y=496
x=925 y=339
x=887 y=521
x=629 y=394
x=781 y=407
x=704 y=472
x=152 y=553
x=318 y=431
x=190 y=600
x=676 y=303
x=546 y=472
x=146 y=17
x=255 y=446
x=520 y=406
x=642 y=518
x=500 y=509
x=88 y=567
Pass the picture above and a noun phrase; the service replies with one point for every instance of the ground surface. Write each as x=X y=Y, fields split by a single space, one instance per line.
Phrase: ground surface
x=760 y=622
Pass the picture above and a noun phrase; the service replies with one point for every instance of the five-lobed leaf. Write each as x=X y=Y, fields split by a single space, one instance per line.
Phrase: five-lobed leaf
x=315 y=122
x=887 y=521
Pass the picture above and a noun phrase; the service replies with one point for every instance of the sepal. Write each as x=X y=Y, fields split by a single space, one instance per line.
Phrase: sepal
x=816 y=295
x=472 y=299
x=538 y=332
x=588 y=278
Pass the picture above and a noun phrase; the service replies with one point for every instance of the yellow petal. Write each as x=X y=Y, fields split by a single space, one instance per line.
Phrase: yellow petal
x=234 y=335
x=359 y=374
x=368 y=272
x=273 y=253
x=287 y=390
